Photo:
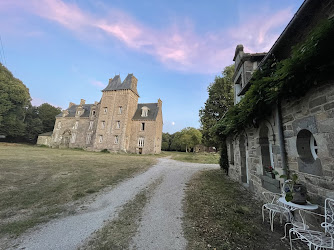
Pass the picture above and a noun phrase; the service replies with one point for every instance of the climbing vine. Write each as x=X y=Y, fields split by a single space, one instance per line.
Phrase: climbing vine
x=310 y=60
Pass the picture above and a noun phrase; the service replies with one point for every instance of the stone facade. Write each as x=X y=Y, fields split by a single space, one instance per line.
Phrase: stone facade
x=298 y=135
x=116 y=123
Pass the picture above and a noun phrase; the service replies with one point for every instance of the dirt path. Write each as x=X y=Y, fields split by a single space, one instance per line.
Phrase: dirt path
x=161 y=221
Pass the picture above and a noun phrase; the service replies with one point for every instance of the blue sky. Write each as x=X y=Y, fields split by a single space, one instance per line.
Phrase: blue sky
x=65 y=50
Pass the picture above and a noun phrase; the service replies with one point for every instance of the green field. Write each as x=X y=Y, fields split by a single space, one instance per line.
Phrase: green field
x=36 y=183
x=206 y=158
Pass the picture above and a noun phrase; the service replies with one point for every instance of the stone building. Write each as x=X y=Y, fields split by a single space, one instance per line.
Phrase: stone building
x=116 y=123
x=297 y=135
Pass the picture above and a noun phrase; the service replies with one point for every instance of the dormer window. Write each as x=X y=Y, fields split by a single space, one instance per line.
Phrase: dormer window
x=144 y=111
x=93 y=113
x=78 y=112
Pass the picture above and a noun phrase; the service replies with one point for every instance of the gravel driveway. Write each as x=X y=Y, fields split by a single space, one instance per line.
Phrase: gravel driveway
x=160 y=226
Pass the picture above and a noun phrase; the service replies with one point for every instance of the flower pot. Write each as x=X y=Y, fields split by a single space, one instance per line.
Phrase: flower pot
x=299 y=194
x=270 y=174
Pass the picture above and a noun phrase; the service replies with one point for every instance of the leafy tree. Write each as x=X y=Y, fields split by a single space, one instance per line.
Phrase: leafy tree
x=14 y=98
x=176 y=142
x=166 y=141
x=190 y=137
x=47 y=114
x=219 y=101
x=33 y=124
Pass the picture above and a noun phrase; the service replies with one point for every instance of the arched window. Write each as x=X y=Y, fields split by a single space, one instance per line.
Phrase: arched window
x=231 y=153
x=307 y=146
x=266 y=151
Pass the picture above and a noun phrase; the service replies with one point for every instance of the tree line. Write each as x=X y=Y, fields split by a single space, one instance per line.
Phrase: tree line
x=20 y=121
x=184 y=140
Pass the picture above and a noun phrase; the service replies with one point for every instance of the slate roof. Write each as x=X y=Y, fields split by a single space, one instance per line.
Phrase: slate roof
x=72 y=110
x=116 y=84
x=152 y=113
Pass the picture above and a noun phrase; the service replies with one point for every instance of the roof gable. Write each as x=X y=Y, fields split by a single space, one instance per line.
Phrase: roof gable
x=130 y=82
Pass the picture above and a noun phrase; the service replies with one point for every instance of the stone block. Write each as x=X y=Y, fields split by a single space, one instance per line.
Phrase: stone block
x=288 y=118
x=270 y=184
x=317 y=102
x=288 y=134
x=315 y=110
x=329 y=194
x=314 y=168
x=293 y=166
x=325 y=126
x=308 y=123
x=328 y=173
x=326 y=184
x=329 y=106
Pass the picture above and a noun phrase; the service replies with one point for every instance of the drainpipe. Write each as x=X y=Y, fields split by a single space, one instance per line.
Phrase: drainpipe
x=281 y=137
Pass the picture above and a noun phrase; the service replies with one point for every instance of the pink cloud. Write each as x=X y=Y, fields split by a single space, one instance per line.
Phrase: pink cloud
x=178 y=47
x=260 y=32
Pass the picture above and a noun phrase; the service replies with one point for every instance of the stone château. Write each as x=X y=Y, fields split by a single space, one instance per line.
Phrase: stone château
x=117 y=123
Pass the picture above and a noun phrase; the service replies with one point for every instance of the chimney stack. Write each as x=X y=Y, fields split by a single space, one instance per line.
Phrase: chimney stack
x=159 y=103
x=71 y=104
x=82 y=102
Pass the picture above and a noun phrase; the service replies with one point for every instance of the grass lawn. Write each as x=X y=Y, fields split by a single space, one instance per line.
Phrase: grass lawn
x=37 y=182
x=220 y=214
x=207 y=158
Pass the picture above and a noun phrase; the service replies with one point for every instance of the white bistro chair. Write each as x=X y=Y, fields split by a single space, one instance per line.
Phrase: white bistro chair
x=313 y=238
x=274 y=207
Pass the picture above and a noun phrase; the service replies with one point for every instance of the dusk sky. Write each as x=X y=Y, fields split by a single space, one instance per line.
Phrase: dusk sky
x=67 y=50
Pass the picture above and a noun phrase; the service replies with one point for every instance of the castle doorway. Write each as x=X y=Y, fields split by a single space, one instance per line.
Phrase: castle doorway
x=140 y=151
x=243 y=159
x=65 y=142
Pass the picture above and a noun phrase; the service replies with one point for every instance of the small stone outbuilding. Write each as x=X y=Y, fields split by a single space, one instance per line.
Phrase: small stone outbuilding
x=297 y=135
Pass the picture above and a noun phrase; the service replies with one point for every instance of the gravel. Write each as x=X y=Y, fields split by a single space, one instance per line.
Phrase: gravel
x=160 y=227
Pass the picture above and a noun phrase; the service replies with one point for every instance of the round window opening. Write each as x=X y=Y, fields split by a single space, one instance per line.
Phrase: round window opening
x=307 y=147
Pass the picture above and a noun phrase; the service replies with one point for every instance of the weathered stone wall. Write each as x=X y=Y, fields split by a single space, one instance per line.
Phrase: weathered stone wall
x=313 y=112
x=112 y=100
x=44 y=140
x=158 y=131
x=148 y=134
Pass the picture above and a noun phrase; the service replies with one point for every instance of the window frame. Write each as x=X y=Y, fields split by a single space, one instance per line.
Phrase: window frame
x=116 y=139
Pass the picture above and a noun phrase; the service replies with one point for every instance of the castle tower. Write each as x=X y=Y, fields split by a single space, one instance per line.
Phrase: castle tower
x=118 y=105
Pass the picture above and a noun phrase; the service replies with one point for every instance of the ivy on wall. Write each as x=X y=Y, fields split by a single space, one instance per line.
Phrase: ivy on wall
x=310 y=60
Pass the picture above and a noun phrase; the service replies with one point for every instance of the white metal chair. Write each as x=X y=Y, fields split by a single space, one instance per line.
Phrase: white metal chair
x=314 y=238
x=274 y=207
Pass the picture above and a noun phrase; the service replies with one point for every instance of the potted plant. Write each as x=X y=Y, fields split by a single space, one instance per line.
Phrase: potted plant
x=270 y=172
x=294 y=191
